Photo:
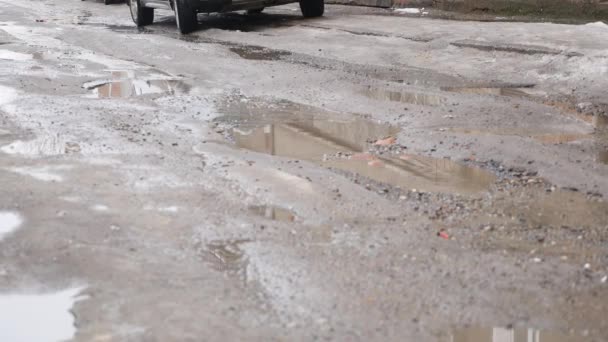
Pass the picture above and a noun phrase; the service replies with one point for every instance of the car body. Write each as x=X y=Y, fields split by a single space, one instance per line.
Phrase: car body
x=186 y=11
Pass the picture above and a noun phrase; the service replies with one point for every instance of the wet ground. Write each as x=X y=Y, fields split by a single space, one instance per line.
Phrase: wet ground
x=369 y=175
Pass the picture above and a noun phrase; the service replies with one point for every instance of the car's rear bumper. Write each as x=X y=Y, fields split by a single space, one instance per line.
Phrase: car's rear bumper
x=235 y=5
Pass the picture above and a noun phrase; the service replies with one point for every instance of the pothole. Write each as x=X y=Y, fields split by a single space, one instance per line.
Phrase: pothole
x=512 y=91
x=353 y=146
x=421 y=99
x=226 y=255
x=602 y=157
x=495 y=334
x=258 y=53
x=124 y=84
x=421 y=173
x=273 y=213
x=561 y=138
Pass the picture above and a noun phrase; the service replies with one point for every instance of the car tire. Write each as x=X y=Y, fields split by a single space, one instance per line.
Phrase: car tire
x=185 y=16
x=255 y=10
x=312 y=8
x=141 y=15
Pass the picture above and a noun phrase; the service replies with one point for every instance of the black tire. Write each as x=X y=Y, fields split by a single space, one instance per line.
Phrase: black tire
x=312 y=8
x=255 y=10
x=185 y=16
x=141 y=15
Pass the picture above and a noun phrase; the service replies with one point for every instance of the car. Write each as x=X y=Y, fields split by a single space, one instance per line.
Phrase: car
x=142 y=11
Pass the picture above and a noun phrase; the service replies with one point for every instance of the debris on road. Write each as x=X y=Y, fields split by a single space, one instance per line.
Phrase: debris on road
x=386 y=141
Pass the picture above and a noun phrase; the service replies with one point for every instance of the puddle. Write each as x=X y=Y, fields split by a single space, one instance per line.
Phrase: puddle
x=419 y=172
x=14 y=56
x=547 y=138
x=538 y=207
x=560 y=138
x=226 y=255
x=273 y=213
x=405 y=97
x=314 y=139
x=600 y=122
x=46 y=145
x=124 y=84
x=9 y=222
x=311 y=139
x=38 y=317
x=7 y=95
x=497 y=91
x=510 y=335
x=259 y=53
x=602 y=157
x=44 y=173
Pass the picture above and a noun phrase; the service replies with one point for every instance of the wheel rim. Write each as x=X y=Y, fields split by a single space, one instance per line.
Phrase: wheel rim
x=134 y=8
x=179 y=26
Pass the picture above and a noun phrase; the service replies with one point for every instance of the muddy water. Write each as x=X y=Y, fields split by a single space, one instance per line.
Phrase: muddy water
x=497 y=91
x=496 y=334
x=602 y=157
x=421 y=99
x=320 y=140
x=124 y=84
x=273 y=213
x=226 y=255
x=544 y=137
x=419 y=172
x=536 y=207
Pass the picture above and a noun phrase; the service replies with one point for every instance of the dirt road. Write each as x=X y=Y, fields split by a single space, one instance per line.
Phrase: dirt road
x=368 y=175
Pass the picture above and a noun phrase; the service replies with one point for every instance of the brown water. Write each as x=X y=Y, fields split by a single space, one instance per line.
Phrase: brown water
x=124 y=84
x=226 y=255
x=319 y=141
x=273 y=213
x=421 y=99
x=496 y=334
x=602 y=157
x=497 y=91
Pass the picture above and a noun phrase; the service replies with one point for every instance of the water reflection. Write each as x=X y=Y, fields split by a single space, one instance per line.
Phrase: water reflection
x=124 y=84
x=497 y=91
x=510 y=335
x=314 y=139
x=273 y=213
x=602 y=157
x=405 y=97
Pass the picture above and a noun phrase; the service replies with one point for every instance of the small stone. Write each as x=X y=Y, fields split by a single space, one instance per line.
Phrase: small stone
x=604 y=279
x=537 y=260
x=587 y=266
